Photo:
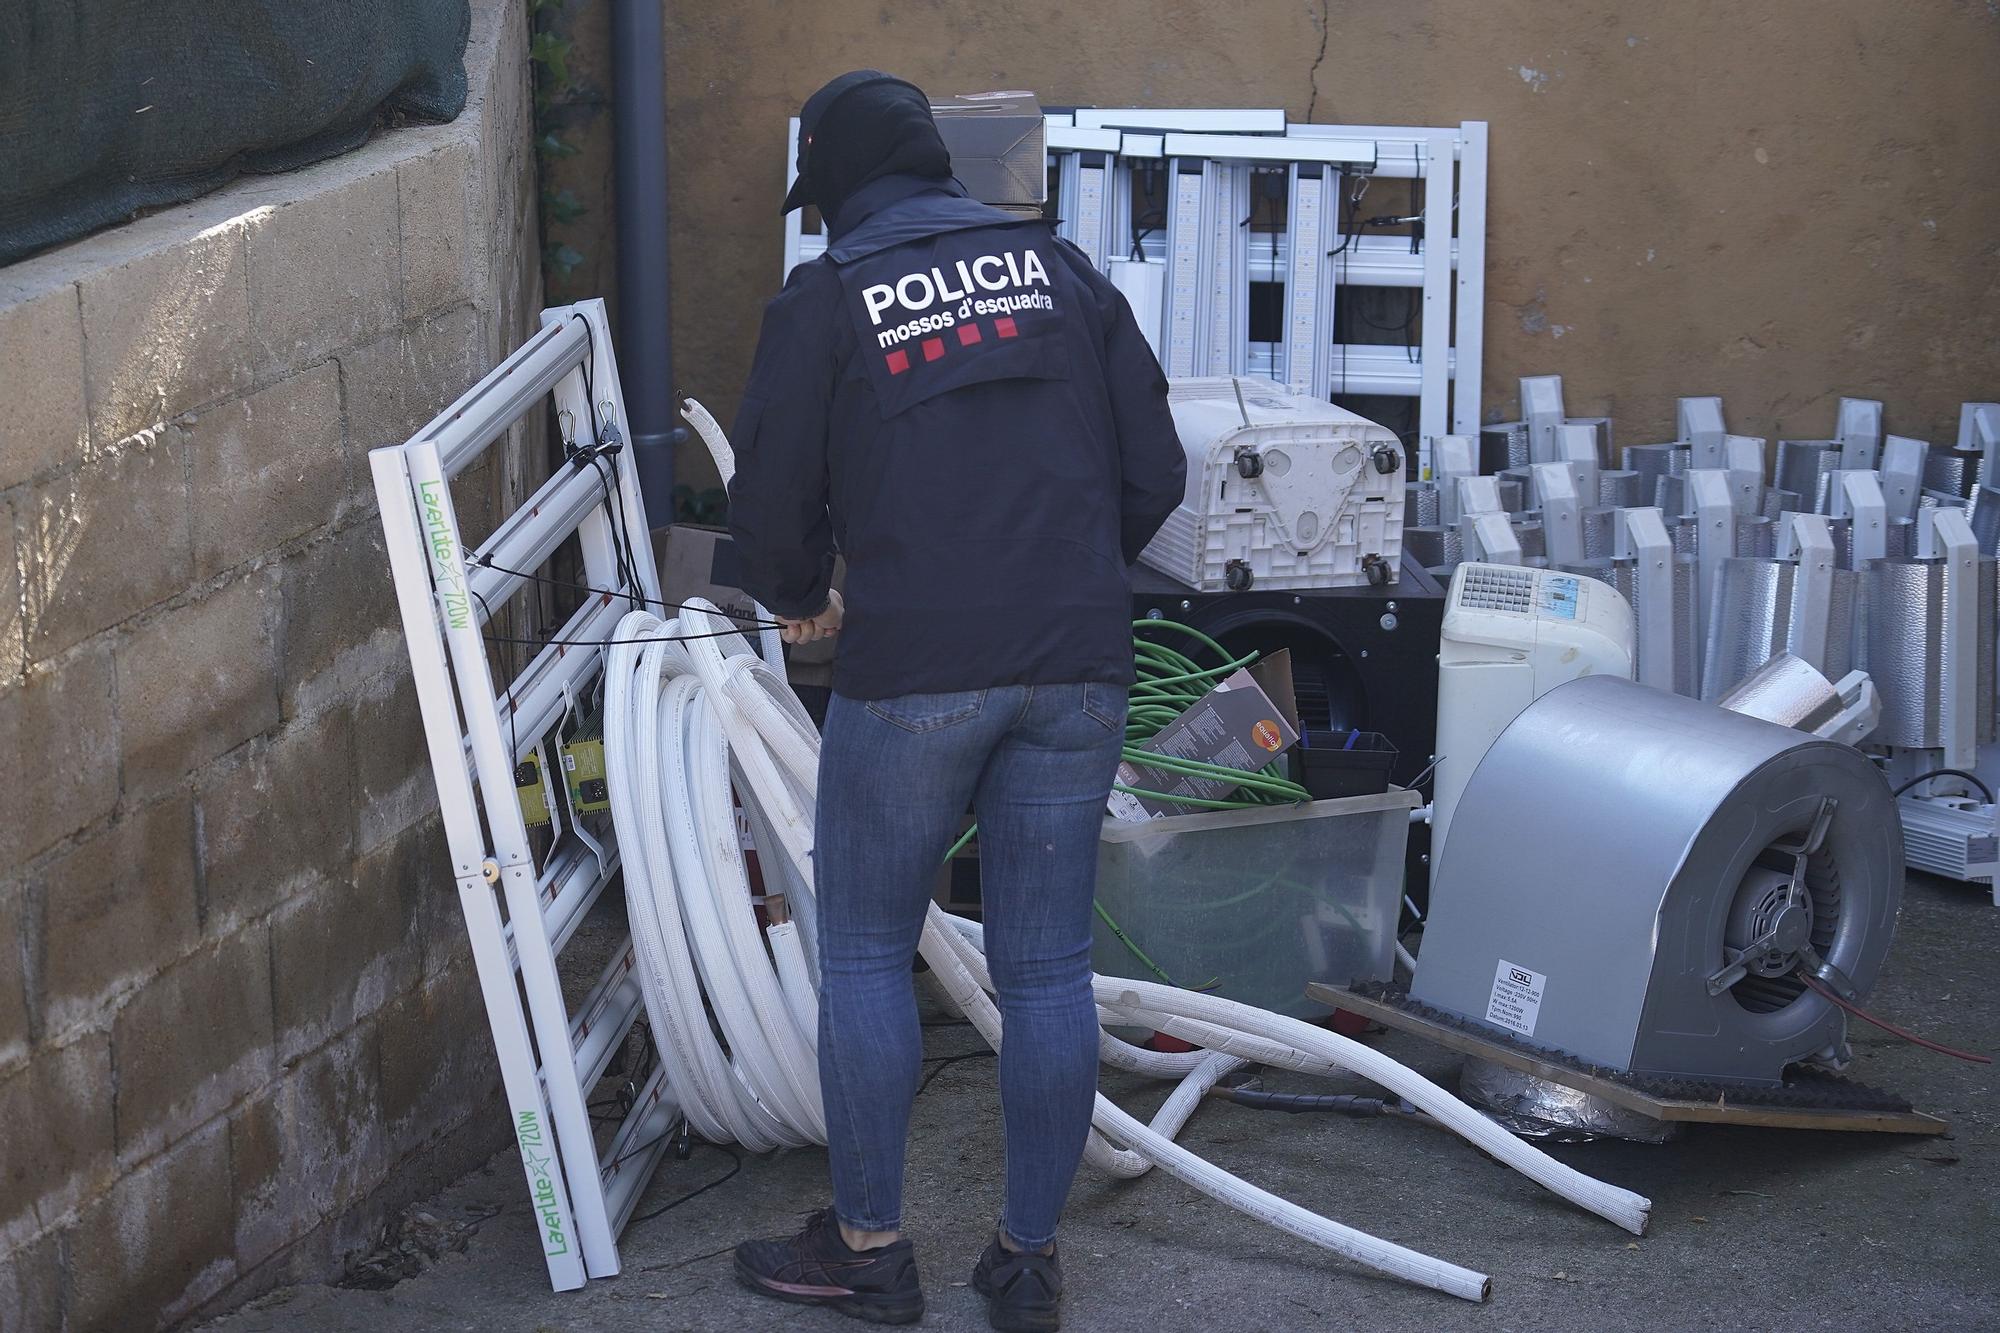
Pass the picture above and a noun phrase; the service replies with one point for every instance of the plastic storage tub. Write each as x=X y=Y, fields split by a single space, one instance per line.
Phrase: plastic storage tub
x=1259 y=901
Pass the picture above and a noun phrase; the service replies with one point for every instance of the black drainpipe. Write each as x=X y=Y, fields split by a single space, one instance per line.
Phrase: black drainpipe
x=645 y=349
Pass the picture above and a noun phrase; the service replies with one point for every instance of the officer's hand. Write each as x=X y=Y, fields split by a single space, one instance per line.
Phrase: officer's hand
x=823 y=625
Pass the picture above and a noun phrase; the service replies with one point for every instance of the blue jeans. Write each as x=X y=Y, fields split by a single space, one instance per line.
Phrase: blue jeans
x=1034 y=763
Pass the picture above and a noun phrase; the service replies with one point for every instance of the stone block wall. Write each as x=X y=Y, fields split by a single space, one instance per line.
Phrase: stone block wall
x=238 y=1022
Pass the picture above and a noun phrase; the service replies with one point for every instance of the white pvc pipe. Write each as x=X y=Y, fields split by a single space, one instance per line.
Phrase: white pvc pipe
x=1257 y=1034
x=1215 y=1022
x=1152 y=1145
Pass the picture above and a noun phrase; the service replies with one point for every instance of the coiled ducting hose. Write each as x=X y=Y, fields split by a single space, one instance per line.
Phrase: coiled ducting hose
x=695 y=725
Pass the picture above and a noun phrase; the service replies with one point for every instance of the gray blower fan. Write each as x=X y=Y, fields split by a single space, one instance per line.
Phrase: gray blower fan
x=1638 y=880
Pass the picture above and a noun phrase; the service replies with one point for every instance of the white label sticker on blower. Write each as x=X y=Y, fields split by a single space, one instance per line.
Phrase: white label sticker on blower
x=1517 y=998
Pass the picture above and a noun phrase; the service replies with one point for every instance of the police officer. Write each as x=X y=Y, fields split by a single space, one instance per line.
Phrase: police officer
x=964 y=408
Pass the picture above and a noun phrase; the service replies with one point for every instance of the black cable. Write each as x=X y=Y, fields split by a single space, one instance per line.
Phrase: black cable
x=1348 y=232
x=751 y=622
x=1352 y=198
x=513 y=725
x=589 y=366
x=1298 y=1103
x=1973 y=778
x=624 y=525
x=1141 y=229
x=1418 y=238
x=600 y=445
x=1149 y=181
x=1411 y=295
x=628 y=572
x=945 y=1062
x=613 y=643
x=736 y=1160
x=608 y=482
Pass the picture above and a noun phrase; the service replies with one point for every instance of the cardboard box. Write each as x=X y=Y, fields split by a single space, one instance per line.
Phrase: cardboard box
x=1245 y=722
x=998 y=144
x=702 y=562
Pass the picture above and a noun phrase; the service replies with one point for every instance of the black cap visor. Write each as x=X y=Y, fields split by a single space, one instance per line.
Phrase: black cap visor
x=810 y=116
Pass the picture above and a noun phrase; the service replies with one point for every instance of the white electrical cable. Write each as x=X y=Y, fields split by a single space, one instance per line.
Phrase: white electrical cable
x=692 y=727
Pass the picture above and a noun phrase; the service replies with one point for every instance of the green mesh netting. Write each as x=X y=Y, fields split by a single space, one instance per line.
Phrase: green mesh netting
x=111 y=107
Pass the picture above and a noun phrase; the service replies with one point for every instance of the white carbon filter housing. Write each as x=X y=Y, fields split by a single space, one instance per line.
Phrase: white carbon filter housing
x=1600 y=428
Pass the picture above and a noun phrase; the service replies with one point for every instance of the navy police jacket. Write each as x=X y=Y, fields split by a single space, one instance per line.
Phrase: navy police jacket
x=965 y=409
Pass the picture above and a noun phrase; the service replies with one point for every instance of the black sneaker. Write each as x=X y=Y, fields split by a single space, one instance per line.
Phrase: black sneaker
x=815 y=1267
x=1020 y=1289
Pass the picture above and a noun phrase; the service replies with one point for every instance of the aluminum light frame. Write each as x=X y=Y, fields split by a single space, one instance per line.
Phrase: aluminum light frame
x=549 y=1059
x=1093 y=152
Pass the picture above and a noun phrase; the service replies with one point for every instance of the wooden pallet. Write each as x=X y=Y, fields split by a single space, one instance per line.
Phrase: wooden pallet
x=1718 y=1112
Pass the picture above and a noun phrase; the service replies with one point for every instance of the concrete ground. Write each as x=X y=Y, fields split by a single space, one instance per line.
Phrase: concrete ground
x=1755 y=1228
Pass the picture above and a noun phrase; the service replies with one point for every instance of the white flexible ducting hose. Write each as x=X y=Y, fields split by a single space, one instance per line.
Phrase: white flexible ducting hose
x=691 y=724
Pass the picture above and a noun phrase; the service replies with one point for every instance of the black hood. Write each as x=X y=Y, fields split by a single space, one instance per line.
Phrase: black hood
x=861 y=126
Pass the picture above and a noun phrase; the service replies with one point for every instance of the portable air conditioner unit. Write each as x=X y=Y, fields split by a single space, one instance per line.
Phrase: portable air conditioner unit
x=1283 y=492
x=1510 y=636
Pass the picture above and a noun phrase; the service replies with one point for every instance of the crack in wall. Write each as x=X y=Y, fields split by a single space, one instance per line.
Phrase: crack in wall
x=1324 y=22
